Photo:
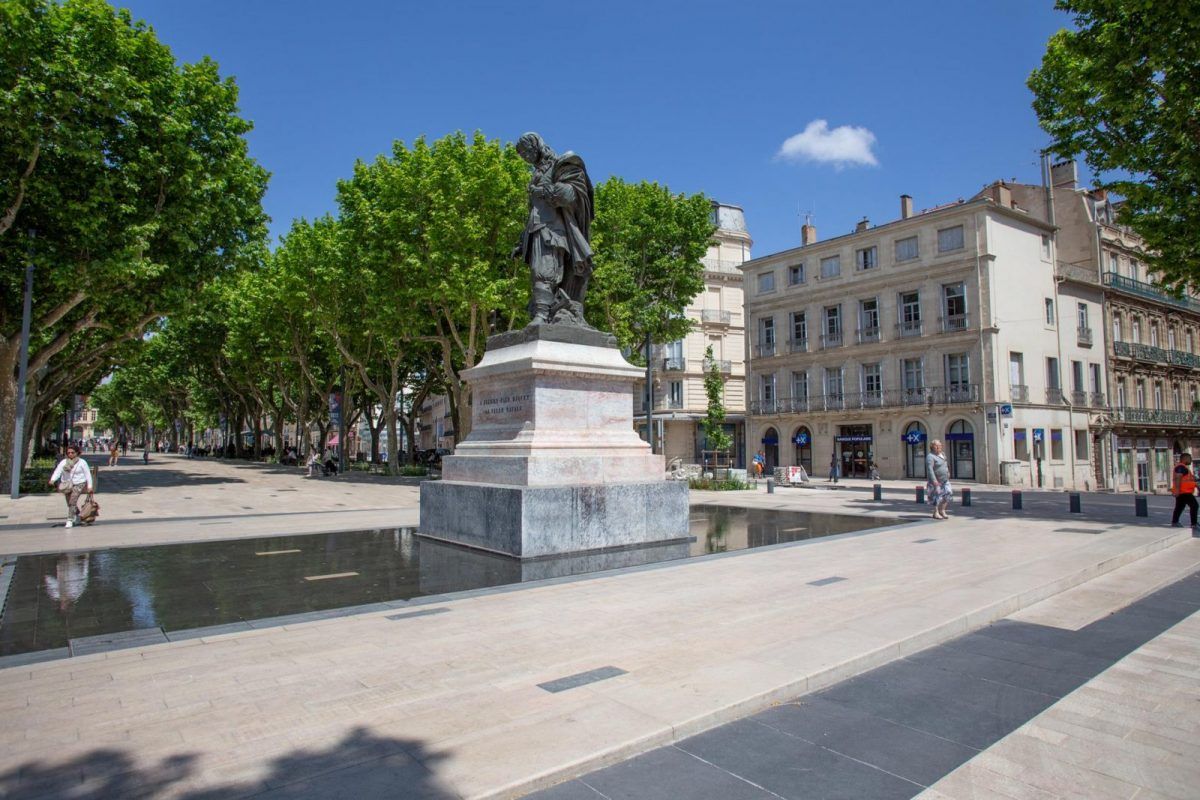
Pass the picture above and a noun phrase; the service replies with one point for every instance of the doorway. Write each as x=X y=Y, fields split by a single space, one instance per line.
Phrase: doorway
x=854 y=446
x=960 y=442
x=915 y=437
x=770 y=447
x=802 y=441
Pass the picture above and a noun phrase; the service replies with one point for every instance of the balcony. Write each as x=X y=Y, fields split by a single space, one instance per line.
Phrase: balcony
x=868 y=335
x=1079 y=398
x=911 y=327
x=764 y=349
x=1054 y=396
x=674 y=364
x=953 y=323
x=1083 y=336
x=1155 y=416
x=870 y=399
x=660 y=404
x=716 y=316
x=1141 y=352
x=724 y=365
x=798 y=345
x=829 y=340
x=1020 y=394
x=1149 y=291
x=1097 y=400
x=1183 y=359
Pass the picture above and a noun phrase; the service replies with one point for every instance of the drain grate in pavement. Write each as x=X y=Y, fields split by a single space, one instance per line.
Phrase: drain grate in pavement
x=923 y=541
x=136 y=512
x=102 y=643
x=826 y=581
x=275 y=552
x=1079 y=530
x=424 y=612
x=581 y=679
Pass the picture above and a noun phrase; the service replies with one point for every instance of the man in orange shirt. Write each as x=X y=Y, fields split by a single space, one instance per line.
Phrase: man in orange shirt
x=1184 y=488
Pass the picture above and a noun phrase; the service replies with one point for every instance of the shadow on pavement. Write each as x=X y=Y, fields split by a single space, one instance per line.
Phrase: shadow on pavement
x=362 y=766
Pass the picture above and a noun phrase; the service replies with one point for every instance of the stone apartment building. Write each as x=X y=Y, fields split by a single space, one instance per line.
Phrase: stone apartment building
x=943 y=324
x=1146 y=337
x=678 y=368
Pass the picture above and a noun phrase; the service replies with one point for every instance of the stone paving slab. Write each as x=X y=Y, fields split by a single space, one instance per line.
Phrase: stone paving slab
x=701 y=643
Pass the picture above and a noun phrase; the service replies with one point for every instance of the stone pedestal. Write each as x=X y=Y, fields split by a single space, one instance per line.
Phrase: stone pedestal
x=552 y=464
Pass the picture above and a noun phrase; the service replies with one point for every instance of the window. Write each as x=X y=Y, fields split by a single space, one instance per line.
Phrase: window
x=954 y=296
x=766 y=336
x=1045 y=247
x=1116 y=327
x=766 y=282
x=1191 y=343
x=1154 y=334
x=1122 y=394
x=833 y=383
x=800 y=386
x=831 y=266
x=795 y=274
x=799 y=329
x=958 y=371
x=1077 y=376
x=1114 y=264
x=1171 y=338
x=1175 y=398
x=1095 y=369
x=1021 y=444
x=868 y=319
x=767 y=388
x=1081 y=445
x=913 y=376
x=833 y=321
x=1056 y=444
x=906 y=249
x=1083 y=317
x=1136 y=330
x=1016 y=371
x=1049 y=310
x=910 y=313
x=1158 y=395
x=1134 y=269
x=1140 y=392
x=950 y=239
x=1052 y=376
x=866 y=258
x=872 y=381
x=675 y=394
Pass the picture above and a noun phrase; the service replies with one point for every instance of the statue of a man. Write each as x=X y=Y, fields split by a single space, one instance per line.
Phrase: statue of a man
x=555 y=243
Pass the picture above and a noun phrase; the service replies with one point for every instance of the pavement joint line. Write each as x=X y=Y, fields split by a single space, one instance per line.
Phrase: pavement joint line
x=277 y=552
x=581 y=679
x=923 y=541
x=425 y=612
x=827 y=581
x=330 y=576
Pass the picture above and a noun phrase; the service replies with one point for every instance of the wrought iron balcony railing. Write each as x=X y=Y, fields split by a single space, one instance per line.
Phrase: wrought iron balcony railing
x=798 y=345
x=910 y=327
x=764 y=349
x=1141 y=352
x=1156 y=416
x=1183 y=358
x=955 y=322
x=869 y=399
x=1020 y=393
x=867 y=335
x=716 y=316
x=1148 y=290
x=1054 y=396
x=674 y=364
x=724 y=365
x=1097 y=400
x=1079 y=398
x=829 y=340
x=1084 y=336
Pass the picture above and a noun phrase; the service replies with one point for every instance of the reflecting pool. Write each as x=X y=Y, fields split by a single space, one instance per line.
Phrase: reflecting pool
x=56 y=598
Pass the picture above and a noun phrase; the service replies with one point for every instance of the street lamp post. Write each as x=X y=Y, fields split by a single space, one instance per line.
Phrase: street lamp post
x=18 y=462
x=342 y=426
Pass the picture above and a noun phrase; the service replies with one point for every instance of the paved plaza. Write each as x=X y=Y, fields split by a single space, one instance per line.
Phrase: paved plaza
x=998 y=654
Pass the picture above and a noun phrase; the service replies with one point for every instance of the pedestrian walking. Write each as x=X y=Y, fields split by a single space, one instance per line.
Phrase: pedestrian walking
x=74 y=479
x=146 y=452
x=938 y=490
x=833 y=467
x=113 y=452
x=1183 y=486
x=760 y=463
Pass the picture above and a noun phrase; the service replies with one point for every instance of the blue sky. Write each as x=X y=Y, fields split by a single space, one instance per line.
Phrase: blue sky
x=698 y=95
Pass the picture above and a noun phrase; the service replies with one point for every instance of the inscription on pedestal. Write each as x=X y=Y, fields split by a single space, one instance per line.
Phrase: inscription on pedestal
x=503 y=407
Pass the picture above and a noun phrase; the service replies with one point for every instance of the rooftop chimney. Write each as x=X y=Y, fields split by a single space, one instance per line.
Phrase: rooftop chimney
x=905 y=206
x=1064 y=175
x=862 y=225
x=1002 y=194
x=808 y=233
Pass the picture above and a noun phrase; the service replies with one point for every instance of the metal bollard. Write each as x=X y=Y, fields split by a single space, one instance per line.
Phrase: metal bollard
x=920 y=494
x=878 y=493
x=770 y=486
x=1075 y=503
x=966 y=497
x=1016 y=499
x=1140 y=507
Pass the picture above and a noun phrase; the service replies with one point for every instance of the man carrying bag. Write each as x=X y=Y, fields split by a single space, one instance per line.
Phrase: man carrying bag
x=74 y=480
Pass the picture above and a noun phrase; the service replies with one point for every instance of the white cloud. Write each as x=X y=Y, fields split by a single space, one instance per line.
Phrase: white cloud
x=845 y=144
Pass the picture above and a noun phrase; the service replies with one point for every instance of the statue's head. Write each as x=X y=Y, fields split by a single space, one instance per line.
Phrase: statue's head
x=532 y=148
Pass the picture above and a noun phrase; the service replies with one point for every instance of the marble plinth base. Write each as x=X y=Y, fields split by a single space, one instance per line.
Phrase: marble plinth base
x=536 y=521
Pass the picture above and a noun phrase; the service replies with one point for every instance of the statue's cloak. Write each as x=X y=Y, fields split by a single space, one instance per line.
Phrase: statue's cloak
x=576 y=216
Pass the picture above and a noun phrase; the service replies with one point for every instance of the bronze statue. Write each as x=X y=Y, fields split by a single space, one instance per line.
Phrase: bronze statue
x=555 y=243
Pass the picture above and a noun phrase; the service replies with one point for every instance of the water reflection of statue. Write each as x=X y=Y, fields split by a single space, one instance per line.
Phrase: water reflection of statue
x=69 y=580
x=555 y=243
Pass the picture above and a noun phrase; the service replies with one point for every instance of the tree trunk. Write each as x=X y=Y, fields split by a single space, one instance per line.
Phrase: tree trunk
x=302 y=427
x=410 y=435
x=257 y=435
x=389 y=413
x=278 y=436
x=9 y=353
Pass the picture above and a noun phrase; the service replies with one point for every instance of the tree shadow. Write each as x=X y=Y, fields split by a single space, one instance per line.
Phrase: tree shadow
x=361 y=766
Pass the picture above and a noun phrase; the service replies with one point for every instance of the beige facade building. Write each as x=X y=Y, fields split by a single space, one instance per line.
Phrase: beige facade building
x=678 y=369
x=1146 y=337
x=943 y=324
